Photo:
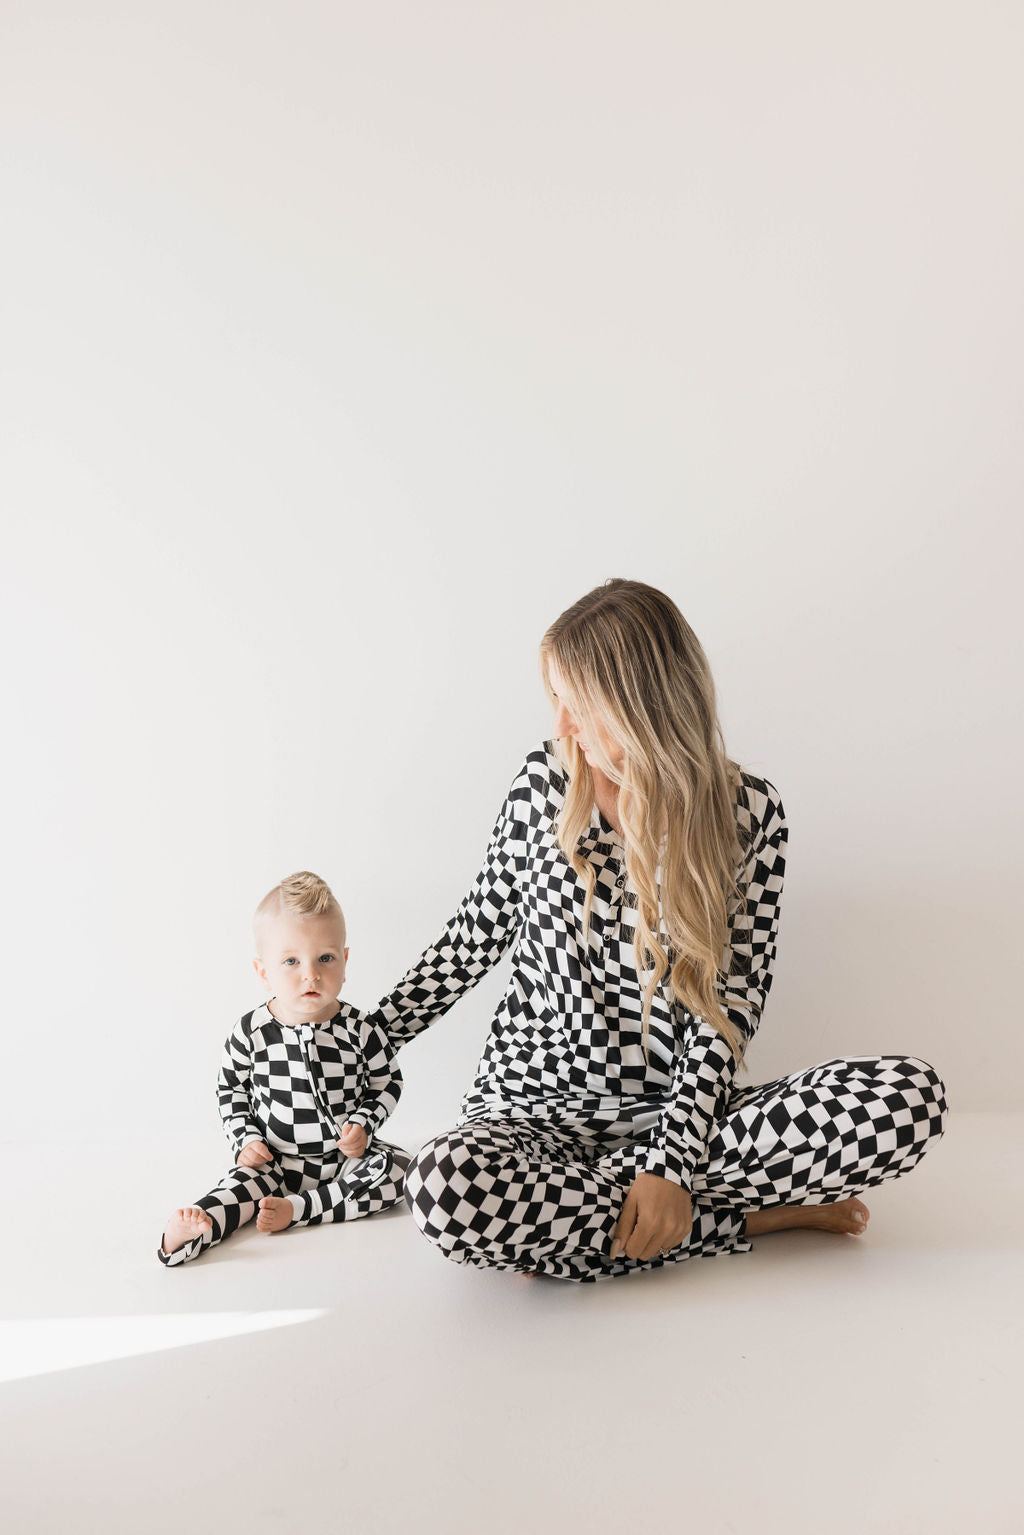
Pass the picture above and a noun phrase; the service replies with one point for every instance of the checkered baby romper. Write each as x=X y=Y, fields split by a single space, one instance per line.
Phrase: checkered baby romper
x=565 y=1111
x=293 y=1088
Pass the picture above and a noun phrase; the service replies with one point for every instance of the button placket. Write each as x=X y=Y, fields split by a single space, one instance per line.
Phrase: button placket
x=608 y=893
x=311 y=1063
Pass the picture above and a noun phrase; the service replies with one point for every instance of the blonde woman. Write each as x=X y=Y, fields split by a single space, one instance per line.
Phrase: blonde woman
x=635 y=872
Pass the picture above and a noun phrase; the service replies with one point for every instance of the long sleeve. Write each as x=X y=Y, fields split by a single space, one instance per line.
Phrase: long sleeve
x=472 y=942
x=383 y=1082
x=706 y=1066
x=233 y=1087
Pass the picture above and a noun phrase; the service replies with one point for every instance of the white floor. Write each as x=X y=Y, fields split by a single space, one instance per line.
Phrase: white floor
x=348 y=1378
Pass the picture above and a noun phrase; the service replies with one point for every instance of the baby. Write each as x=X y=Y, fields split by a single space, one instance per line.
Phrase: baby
x=305 y=1083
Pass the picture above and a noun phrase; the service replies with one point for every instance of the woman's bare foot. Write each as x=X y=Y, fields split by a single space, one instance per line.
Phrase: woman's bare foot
x=274 y=1214
x=184 y=1226
x=850 y=1215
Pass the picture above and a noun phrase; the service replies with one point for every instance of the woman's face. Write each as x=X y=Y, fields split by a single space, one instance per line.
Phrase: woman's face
x=566 y=724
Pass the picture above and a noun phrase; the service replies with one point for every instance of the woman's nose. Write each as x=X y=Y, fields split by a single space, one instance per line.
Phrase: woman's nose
x=564 y=723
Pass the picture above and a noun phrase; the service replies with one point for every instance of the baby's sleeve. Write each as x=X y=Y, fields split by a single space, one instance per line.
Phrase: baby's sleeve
x=233 y=1080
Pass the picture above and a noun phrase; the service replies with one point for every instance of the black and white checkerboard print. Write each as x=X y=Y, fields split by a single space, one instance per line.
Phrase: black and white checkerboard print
x=567 y=1037
x=295 y=1087
x=321 y=1189
x=565 y=1111
x=543 y=1196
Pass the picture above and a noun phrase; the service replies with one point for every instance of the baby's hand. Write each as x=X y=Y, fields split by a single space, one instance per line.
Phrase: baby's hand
x=353 y=1140
x=253 y=1155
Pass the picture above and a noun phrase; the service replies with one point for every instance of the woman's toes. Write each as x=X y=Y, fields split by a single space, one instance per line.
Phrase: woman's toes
x=858 y=1214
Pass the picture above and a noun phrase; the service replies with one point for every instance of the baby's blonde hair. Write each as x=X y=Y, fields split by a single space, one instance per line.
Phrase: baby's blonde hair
x=303 y=895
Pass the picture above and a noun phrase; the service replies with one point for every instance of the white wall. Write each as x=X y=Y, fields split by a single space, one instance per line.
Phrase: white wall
x=346 y=345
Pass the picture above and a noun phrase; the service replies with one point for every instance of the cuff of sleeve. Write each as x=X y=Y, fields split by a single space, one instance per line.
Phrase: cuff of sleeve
x=243 y=1134
x=664 y=1166
x=364 y=1120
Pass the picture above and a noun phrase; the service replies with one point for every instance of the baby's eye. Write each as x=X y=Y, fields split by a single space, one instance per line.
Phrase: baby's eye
x=289 y=962
x=325 y=959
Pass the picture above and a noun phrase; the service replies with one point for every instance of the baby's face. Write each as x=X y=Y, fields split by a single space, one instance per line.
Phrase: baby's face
x=302 y=965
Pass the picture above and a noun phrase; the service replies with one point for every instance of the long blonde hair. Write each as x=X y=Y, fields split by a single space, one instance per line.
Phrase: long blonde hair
x=632 y=663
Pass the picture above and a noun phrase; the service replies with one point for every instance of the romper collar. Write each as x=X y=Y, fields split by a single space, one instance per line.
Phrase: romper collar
x=303 y=1030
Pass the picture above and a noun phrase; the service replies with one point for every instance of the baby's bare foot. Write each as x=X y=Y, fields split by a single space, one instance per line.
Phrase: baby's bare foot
x=275 y=1214
x=184 y=1226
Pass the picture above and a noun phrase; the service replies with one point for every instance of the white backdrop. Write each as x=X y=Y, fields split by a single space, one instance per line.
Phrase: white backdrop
x=346 y=345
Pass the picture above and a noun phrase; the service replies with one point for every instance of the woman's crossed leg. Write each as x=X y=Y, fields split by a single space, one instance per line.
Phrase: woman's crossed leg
x=538 y=1197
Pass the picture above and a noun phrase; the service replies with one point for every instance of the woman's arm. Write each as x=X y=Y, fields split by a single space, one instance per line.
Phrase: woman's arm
x=706 y=1067
x=383 y=1081
x=481 y=931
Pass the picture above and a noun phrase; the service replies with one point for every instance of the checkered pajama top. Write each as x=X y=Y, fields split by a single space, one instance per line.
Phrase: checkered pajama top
x=295 y=1087
x=566 y=1041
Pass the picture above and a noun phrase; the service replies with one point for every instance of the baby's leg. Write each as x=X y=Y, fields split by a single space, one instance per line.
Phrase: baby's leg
x=351 y=1187
x=234 y=1201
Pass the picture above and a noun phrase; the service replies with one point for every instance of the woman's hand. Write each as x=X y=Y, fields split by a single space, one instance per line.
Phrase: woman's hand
x=353 y=1140
x=254 y=1154
x=656 y=1216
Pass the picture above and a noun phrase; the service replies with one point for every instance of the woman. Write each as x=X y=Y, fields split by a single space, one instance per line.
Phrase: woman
x=636 y=873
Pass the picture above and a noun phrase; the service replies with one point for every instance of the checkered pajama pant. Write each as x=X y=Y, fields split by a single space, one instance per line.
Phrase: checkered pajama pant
x=330 y=1188
x=534 y=1195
